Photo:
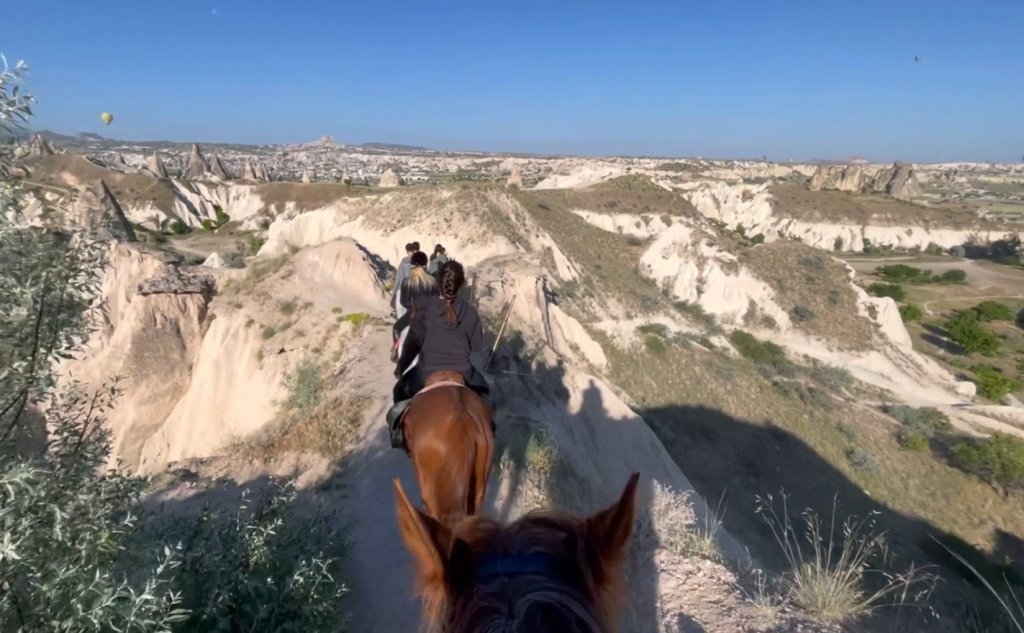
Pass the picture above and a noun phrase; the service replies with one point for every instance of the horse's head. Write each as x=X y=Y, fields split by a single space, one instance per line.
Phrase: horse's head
x=547 y=571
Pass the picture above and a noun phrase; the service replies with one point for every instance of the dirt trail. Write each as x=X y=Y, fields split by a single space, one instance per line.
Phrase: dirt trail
x=378 y=569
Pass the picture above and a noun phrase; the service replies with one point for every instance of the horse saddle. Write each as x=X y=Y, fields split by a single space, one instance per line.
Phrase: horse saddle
x=397 y=412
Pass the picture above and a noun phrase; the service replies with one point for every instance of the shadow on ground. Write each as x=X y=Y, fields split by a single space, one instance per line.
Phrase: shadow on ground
x=720 y=453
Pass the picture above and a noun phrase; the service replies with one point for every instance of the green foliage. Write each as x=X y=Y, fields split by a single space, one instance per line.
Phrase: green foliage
x=993 y=311
x=222 y=217
x=934 y=249
x=901 y=273
x=837 y=245
x=66 y=525
x=952 y=276
x=654 y=344
x=305 y=385
x=73 y=554
x=801 y=314
x=992 y=383
x=656 y=329
x=763 y=353
x=998 y=459
x=894 y=291
x=253 y=243
x=357 y=319
x=696 y=312
x=287 y=308
x=178 y=228
x=816 y=262
x=910 y=313
x=913 y=442
x=967 y=332
x=208 y=224
x=861 y=459
x=920 y=425
x=757 y=239
x=831 y=376
x=257 y=570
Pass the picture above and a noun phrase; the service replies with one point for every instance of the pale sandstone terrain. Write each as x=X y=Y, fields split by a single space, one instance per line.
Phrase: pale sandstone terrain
x=600 y=255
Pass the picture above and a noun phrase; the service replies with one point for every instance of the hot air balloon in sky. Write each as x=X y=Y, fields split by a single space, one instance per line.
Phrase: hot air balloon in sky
x=107 y=117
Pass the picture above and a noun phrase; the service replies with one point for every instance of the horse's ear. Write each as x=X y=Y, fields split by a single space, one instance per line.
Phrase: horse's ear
x=608 y=531
x=426 y=539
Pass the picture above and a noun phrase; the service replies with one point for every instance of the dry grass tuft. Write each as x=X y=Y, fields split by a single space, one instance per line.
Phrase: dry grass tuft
x=326 y=429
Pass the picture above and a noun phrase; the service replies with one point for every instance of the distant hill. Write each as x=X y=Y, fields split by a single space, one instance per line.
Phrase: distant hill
x=394 y=146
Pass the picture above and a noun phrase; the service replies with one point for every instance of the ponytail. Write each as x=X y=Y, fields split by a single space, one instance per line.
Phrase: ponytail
x=452 y=278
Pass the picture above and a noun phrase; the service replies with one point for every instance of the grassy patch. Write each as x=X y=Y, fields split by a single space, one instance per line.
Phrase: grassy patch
x=814 y=289
x=910 y=313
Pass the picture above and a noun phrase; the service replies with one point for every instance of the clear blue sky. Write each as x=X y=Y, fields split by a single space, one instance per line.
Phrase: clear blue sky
x=677 y=77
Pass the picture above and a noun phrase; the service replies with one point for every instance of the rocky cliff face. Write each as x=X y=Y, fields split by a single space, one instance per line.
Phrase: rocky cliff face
x=197 y=165
x=389 y=179
x=897 y=181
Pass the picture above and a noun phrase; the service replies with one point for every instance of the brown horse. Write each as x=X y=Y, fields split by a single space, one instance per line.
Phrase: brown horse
x=546 y=572
x=449 y=435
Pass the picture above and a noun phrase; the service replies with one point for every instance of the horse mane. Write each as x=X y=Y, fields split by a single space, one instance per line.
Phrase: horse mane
x=570 y=601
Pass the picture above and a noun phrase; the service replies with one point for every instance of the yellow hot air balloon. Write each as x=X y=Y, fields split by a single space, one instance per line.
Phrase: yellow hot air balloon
x=107 y=117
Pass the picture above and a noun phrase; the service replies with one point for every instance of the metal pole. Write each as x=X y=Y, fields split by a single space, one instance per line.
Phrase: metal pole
x=501 y=330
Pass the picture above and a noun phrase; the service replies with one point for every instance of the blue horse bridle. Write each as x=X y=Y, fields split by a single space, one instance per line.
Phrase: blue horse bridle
x=531 y=564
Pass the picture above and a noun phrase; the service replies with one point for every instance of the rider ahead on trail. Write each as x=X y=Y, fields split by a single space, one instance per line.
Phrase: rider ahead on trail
x=443 y=333
x=419 y=287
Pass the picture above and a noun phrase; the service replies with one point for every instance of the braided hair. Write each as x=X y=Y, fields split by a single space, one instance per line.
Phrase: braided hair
x=452 y=277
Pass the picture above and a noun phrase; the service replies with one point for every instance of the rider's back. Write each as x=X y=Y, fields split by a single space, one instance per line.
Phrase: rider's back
x=447 y=345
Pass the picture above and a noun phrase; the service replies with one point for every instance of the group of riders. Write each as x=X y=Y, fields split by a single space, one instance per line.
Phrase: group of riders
x=436 y=330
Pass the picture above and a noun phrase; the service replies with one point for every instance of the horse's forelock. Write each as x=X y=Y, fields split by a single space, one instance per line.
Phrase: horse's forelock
x=530 y=601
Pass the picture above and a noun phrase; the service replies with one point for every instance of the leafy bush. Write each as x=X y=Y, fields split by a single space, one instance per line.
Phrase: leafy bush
x=914 y=442
x=287 y=308
x=757 y=239
x=832 y=376
x=208 y=224
x=817 y=262
x=801 y=314
x=919 y=424
x=992 y=383
x=67 y=528
x=993 y=311
x=894 y=291
x=305 y=386
x=837 y=244
x=965 y=330
x=998 y=459
x=860 y=459
x=178 y=228
x=254 y=243
x=697 y=313
x=656 y=329
x=952 y=276
x=74 y=556
x=910 y=313
x=903 y=273
x=761 y=352
x=654 y=344
x=222 y=217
